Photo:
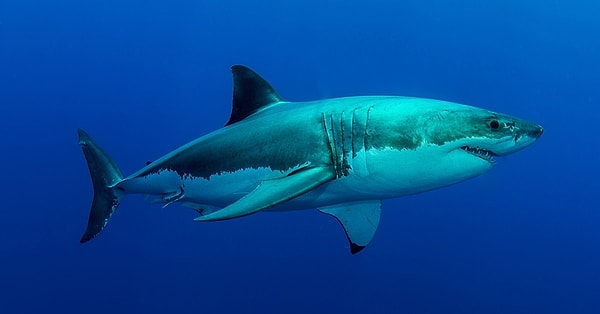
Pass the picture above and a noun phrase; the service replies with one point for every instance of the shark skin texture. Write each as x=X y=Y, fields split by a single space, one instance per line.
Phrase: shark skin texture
x=339 y=155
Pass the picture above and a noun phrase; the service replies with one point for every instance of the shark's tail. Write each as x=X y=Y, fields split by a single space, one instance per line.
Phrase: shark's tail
x=105 y=175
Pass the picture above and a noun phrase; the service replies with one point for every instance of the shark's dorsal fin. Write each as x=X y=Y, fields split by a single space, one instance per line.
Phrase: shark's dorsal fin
x=250 y=93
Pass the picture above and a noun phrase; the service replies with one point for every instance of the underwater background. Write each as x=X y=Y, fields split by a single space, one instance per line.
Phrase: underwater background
x=144 y=77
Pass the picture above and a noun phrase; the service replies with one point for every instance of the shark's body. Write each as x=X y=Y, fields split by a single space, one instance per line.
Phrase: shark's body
x=341 y=155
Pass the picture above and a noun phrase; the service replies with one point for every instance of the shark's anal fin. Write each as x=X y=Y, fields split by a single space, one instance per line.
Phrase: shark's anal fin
x=274 y=191
x=359 y=219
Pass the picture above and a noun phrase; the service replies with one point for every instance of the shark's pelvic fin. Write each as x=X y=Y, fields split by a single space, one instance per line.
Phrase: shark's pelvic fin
x=250 y=93
x=359 y=219
x=105 y=174
x=274 y=191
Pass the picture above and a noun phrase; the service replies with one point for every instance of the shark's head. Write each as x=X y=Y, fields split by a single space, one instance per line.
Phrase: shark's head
x=431 y=143
x=484 y=134
x=413 y=123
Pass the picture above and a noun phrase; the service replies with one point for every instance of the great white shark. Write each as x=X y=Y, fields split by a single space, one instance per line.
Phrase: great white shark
x=340 y=155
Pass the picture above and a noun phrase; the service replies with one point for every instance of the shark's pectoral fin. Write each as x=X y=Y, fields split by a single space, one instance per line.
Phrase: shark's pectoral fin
x=359 y=219
x=274 y=191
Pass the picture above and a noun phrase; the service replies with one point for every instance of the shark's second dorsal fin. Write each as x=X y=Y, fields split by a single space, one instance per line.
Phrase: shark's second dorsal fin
x=250 y=93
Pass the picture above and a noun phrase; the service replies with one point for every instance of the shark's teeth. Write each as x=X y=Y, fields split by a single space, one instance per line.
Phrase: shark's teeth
x=480 y=152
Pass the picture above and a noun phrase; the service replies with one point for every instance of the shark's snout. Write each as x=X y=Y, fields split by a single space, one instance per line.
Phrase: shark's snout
x=538 y=132
x=524 y=133
x=532 y=130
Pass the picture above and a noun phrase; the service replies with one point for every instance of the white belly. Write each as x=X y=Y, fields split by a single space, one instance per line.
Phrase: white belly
x=375 y=174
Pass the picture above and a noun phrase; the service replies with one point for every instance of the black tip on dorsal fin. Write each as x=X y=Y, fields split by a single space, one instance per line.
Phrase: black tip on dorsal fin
x=250 y=93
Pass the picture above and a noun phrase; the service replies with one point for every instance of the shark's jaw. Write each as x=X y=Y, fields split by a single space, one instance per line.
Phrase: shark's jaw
x=482 y=153
x=489 y=148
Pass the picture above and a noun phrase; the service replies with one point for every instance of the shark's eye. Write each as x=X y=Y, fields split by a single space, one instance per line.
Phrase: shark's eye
x=494 y=124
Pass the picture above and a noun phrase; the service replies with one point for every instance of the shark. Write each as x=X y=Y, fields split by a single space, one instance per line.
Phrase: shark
x=342 y=156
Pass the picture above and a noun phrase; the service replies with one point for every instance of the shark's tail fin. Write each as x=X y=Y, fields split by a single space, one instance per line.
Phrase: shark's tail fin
x=105 y=174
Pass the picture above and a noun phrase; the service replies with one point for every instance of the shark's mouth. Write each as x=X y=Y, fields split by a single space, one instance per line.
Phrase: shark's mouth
x=484 y=154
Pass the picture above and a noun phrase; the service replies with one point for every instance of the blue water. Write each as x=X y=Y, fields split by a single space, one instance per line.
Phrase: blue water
x=143 y=77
